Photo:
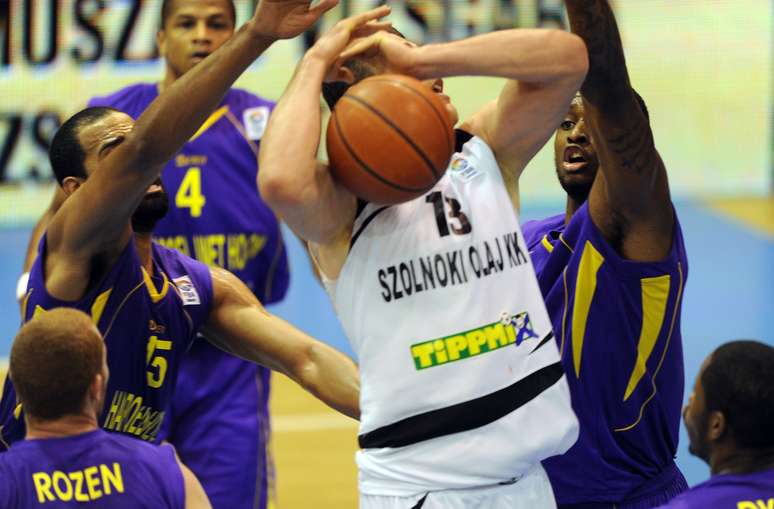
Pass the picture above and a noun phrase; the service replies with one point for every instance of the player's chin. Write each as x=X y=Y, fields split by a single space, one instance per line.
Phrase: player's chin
x=454 y=115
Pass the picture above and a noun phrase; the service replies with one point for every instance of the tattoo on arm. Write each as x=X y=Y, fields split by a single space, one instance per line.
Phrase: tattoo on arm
x=633 y=146
x=594 y=22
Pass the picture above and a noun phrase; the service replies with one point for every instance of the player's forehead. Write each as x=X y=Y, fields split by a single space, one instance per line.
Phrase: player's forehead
x=199 y=9
x=576 y=106
x=108 y=130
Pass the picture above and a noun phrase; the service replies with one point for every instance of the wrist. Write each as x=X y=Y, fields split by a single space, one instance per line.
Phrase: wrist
x=421 y=66
x=260 y=33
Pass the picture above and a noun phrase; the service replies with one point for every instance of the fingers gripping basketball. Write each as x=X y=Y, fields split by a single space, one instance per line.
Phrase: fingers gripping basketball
x=389 y=139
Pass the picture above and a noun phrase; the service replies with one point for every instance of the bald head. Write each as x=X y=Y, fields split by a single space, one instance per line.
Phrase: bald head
x=56 y=360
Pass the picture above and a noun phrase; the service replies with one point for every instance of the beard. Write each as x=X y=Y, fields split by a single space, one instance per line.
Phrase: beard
x=697 y=441
x=152 y=209
x=576 y=188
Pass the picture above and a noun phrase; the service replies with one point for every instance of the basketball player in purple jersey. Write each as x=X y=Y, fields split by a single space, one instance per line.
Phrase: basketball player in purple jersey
x=730 y=424
x=219 y=418
x=150 y=301
x=65 y=459
x=612 y=270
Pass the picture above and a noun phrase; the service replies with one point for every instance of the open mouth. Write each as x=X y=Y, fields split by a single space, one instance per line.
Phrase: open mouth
x=199 y=55
x=574 y=159
x=156 y=187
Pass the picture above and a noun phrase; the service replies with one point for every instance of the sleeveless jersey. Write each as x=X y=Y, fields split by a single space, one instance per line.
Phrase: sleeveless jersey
x=729 y=491
x=216 y=214
x=617 y=324
x=90 y=470
x=147 y=322
x=461 y=385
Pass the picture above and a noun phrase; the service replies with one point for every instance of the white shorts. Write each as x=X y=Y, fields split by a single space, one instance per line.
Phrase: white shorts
x=531 y=491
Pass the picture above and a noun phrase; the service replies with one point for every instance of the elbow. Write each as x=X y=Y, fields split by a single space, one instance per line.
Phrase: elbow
x=278 y=190
x=571 y=55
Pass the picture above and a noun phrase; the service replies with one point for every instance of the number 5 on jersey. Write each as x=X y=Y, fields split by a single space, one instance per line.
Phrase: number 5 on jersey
x=157 y=365
x=189 y=195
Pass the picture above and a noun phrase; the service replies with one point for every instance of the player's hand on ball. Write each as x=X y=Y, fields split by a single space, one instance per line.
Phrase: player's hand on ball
x=329 y=46
x=285 y=19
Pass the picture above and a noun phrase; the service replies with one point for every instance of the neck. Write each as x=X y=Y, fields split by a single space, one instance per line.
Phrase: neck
x=573 y=205
x=144 y=250
x=743 y=461
x=62 y=427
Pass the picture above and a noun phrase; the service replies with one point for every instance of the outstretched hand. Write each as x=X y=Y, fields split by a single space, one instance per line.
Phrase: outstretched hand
x=330 y=46
x=285 y=19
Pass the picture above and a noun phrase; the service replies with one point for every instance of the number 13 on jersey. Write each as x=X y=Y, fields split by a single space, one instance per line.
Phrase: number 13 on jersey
x=189 y=195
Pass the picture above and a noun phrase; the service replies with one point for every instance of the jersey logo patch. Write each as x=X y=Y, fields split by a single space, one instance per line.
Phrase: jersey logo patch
x=462 y=170
x=255 y=120
x=187 y=291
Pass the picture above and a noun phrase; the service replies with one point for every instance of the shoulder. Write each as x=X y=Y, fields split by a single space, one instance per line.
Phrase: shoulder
x=192 y=278
x=535 y=230
x=131 y=100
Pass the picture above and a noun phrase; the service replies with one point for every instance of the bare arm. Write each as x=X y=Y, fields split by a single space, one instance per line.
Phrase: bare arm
x=292 y=181
x=544 y=69
x=239 y=324
x=631 y=194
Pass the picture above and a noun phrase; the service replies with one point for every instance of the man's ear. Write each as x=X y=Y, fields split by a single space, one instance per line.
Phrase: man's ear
x=161 y=42
x=341 y=73
x=716 y=426
x=71 y=184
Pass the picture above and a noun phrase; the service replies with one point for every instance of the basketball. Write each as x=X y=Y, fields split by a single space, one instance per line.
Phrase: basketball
x=389 y=139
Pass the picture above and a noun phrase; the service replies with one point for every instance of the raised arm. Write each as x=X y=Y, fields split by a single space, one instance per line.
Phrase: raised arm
x=632 y=184
x=292 y=181
x=239 y=324
x=127 y=158
x=544 y=69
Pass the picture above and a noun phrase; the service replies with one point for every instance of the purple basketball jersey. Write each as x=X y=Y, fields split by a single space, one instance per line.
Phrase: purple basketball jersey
x=617 y=324
x=216 y=214
x=729 y=491
x=94 y=469
x=147 y=322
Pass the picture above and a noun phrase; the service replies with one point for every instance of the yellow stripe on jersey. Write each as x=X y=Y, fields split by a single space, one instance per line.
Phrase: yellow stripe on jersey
x=155 y=295
x=546 y=244
x=99 y=305
x=585 y=286
x=216 y=115
x=655 y=292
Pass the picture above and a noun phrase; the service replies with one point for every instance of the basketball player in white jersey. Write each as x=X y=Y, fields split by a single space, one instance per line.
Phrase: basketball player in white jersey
x=462 y=390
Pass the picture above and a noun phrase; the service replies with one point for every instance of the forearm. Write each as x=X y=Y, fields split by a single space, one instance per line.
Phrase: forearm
x=527 y=55
x=291 y=180
x=289 y=149
x=37 y=233
x=332 y=377
x=607 y=80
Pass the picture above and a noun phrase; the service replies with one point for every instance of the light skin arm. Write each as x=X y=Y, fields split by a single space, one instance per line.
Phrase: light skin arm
x=239 y=324
x=544 y=69
x=96 y=222
x=629 y=200
x=292 y=181
x=195 y=496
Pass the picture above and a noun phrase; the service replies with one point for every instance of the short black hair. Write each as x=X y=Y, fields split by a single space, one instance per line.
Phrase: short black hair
x=66 y=153
x=335 y=90
x=166 y=8
x=739 y=383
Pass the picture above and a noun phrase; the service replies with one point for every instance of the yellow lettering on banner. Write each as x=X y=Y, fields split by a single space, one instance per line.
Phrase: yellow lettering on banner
x=475 y=339
x=746 y=505
x=80 y=495
x=92 y=483
x=42 y=483
x=66 y=494
x=113 y=478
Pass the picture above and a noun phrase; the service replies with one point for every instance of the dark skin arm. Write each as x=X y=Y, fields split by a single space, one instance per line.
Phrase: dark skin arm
x=40 y=227
x=629 y=201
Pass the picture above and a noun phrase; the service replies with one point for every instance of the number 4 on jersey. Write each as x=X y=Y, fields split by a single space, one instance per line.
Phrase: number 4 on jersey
x=458 y=221
x=189 y=195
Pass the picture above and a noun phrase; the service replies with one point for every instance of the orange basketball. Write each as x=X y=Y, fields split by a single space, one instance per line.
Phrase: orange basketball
x=389 y=139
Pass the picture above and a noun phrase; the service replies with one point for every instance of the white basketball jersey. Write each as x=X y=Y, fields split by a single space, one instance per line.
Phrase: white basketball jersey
x=461 y=383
